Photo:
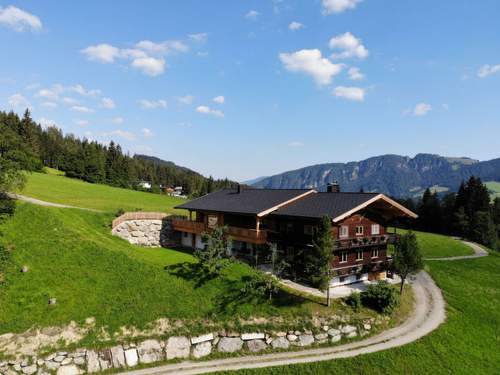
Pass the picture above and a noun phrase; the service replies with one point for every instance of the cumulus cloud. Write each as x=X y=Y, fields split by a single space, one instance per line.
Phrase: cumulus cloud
x=82 y=109
x=104 y=53
x=311 y=62
x=355 y=74
x=487 y=70
x=349 y=46
x=69 y=101
x=209 y=111
x=295 y=26
x=421 y=109
x=219 y=99
x=79 y=89
x=19 y=20
x=150 y=66
x=186 y=99
x=199 y=37
x=18 y=101
x=46 y=123
x=147 y=133
x=350 y=93
x=108 y=103
x=252 y=15
x=338 y=6
x=152 y=104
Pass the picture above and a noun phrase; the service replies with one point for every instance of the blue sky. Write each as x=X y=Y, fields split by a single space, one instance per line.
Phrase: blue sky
x=251 y=88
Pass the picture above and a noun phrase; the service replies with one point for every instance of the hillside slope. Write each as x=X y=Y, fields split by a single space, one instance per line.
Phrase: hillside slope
x=399 y=176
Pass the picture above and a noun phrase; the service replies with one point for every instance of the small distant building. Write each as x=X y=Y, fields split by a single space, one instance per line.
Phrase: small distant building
x=145 y=185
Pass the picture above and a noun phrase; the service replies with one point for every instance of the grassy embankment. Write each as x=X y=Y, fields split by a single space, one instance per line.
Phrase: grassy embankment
x=494 y=188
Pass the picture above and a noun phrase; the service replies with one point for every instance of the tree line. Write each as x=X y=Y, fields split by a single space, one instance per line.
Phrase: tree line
x=469 y=213
x=31 y=147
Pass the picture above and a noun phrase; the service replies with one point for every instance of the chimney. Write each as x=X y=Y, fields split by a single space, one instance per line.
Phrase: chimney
x=333 y=187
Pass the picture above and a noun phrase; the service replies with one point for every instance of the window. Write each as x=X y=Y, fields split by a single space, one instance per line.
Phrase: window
x=344 y=231
x=375 y=229
x=375 y=253
x=359 y=255
x=343 y=257
x=185 y=234
x=308 y=230
x=359 y=230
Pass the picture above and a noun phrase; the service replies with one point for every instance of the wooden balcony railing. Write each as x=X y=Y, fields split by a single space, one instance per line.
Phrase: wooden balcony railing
x=239 y=234
x=356 y=242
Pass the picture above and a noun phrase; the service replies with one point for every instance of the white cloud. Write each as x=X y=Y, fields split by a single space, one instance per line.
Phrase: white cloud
x=82 y=109
x=152 y=104
x=147 y=133
x=295 y=144
x=150 y=66
x=338 y=6
x=79 y=89
x=49 y=104
x=50 y=93
x=108 y=103
x=355 y=74
x=186 y=99
x=350 y=93
x=487 y=70
x=349 y=46
x=81 y=122
x=46 y=123
x=121 y=134
x=18 y=100
x=69 y=101
x=104 y=53
x=295 y=26
x=310 y=61
x=18 y=19
x=162 y=48
x=252 y=15
x=219 y=99
x=117 y=120
x=209 y=111
x=199 y=37
x=421 y=109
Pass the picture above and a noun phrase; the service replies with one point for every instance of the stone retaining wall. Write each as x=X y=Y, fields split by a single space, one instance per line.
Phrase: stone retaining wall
x=177 y=347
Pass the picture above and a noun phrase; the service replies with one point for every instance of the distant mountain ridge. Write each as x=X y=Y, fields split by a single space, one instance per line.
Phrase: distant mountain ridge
x=395 y=175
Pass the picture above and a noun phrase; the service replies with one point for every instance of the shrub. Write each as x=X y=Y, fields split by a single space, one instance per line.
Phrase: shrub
x=380 y=297
x=354 y=300
x=119 y=212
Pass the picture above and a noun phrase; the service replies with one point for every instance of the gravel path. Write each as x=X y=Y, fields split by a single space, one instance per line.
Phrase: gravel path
x=478 y=253
x=46 y=204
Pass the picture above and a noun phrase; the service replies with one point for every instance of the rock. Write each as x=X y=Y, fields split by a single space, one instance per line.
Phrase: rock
x=24 y=269
x=269 y=340
x=280 y=343
x=178 y=347
x=52 y=301
x=348 y=329
x=28 y=370
x=297 y=333
x=202 y=338
x=321 y=336
x=40 y=372
x=9 y=372
x=252 y=336
x=281 y=334
x=202 y=349
x=80 y=361
x=137 y=233
x=333 y=332
x=118 y=356
x=367 y=327
x=51 y=365
x=352 y=334
x=306 y=340
x=291 y=337
x=131 y=357
x=325 y=328
x=50 y=357
x=40 y=362
x=66 y=361
x=92 y=362
x=69 y=370
x=24 y=363
x=308 y=332
x=17 y=367
x=216 y=341
x=105 y=359
x=64 y=354
x=59 y=358
x=256 y=345
x=335 y=338
x=149 y=351
x=230 y=344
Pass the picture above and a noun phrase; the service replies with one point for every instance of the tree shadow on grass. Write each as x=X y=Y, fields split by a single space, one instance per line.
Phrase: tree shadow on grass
x=191 y=272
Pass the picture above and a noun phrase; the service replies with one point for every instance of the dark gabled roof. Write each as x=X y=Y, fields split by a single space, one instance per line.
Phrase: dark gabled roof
x=321 y=204
x=248 y=201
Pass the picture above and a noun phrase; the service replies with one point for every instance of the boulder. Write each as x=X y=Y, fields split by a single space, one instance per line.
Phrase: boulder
x=280 y=343
x=321 y=336
x=256 y=345
x=28 y=370
x=252 y=336
x=230 y=344
x=333 y=332
x=80 y=361
x=291 y=337
x=306 y=340
x=118 y=356
x=281 y=334
x=348 y=329
x=202 y=349
x=69 y=370
x=59 y=358
x=92 y=362
x=66 y=361
x=131 y=358
x=149 y=351
x=178 y=347
x=52 y=366
x=367 y=326
x=202 y=338
x=335 y=338
x=352 y=334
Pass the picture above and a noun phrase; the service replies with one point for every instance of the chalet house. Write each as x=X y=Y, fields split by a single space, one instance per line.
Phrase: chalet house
x=256 y=217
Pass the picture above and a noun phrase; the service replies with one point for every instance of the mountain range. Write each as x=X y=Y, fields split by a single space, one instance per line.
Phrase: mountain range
x=395 y=175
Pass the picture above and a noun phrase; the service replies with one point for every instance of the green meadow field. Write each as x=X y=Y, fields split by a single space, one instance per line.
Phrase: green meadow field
x=494 y=188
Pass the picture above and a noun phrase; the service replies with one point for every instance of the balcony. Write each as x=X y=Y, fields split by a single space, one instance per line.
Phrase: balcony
x=257 y=237
x=358 y=242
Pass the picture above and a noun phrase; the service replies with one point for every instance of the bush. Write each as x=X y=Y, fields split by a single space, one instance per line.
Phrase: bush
x=354 y=300
x=119 y=212
x=380 y=297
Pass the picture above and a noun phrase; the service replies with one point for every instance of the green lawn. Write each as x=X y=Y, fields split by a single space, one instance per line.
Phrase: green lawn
x=467 y=343
x=54 y=187
x=436 y=245
x=494 y=188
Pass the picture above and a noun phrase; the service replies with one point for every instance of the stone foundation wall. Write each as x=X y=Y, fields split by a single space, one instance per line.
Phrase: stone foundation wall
x=176 y=347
